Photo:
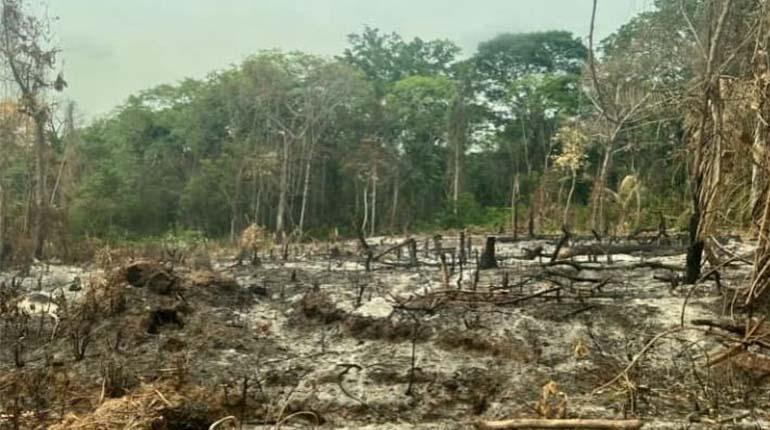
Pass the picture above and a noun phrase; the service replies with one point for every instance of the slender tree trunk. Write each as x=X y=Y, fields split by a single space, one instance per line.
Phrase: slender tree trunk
x=394 y=208
x=758 y=174
x=456 y=180
x=283 y=188
x=374 y=202
x=41 y=207
x=258 y=200
x=527 y=161
x=705 y=171
x=597 y=213
x=366 y=208
x=2 y=225
x=235 y=206
x=57 y=182
x=305 y=190
x=515 y=206
x=569 y=198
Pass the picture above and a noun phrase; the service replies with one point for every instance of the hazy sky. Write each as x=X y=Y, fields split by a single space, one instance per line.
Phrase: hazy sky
x=113 y=48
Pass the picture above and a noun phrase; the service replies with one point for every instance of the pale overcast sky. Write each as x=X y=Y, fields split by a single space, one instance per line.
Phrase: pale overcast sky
x=113 y=48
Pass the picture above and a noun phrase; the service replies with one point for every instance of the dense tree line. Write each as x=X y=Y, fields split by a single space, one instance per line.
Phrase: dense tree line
x=384 y=137
x=534 y=129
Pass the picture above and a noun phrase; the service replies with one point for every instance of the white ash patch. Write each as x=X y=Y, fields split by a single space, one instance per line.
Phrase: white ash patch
x=378 y=307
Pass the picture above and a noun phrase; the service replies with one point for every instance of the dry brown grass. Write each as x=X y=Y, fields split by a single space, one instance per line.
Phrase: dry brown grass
x=158 y=406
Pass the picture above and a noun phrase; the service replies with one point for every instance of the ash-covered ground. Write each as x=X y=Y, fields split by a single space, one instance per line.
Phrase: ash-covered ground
x=316 y=340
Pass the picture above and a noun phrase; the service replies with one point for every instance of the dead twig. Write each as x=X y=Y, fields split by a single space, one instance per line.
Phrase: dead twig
x=636 y=359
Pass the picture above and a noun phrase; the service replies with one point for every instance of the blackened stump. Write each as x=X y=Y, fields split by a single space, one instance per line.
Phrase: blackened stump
x=488 y=260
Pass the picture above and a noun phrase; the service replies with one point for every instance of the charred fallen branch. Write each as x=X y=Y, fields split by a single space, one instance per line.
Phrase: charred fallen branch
x=565 y=238
x=410 y=244
x=648 y=249
x=598 y=267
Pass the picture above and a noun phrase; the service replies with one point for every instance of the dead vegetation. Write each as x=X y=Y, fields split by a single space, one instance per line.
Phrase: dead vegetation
x=151 y=344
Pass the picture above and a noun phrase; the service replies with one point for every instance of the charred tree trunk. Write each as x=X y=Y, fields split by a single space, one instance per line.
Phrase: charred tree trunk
x=695 y=249
x=41 y=202
x=706 y=138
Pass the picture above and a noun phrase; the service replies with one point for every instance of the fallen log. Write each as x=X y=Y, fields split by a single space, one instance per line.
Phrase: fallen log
x=561 y=424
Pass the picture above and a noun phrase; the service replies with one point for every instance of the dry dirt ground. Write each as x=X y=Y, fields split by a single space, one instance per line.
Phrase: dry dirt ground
x=316 y=341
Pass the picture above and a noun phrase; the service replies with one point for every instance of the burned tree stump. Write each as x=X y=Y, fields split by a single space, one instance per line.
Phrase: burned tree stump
x=437 y=245
x=367 y=251
x=159 y=318
x=488 y=260
x=151 y=275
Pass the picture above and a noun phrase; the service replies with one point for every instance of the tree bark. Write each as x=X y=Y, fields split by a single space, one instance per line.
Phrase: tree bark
x=234 y=204
x=706 y=167
x=527 y=161
x=597 y=214
x=41 y=206
x=758 y=174
x=257 y=199
x=456 y=181
x=2 y=225
x=374 y=202
x=394 y=208
x=515 y=206
x=283 y=187
x=458 y=148
x=305 y=190
x=569 y=198
x=365 y=222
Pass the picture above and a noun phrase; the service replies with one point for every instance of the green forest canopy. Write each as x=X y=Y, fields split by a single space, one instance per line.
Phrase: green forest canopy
x=392 y=135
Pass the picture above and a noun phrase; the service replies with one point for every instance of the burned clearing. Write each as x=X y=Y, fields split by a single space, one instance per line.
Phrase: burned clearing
x=422 y=339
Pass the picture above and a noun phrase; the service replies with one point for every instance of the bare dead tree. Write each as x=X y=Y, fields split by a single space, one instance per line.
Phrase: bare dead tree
x=705 y=140
x=629 y=104
x=30 y=58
